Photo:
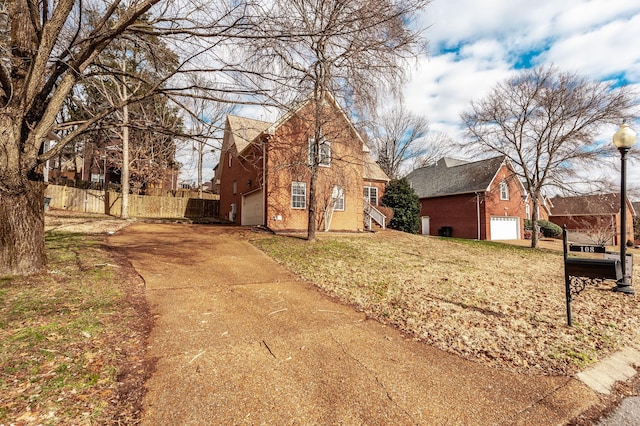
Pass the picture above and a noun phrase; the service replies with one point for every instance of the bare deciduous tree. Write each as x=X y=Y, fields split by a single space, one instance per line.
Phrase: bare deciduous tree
x=434 y=146
x=545 y=122
x=47 y=48
x=206 y=120
x=351 y=49
x=397 y=137
x=601 y=230
x=48 y=52
x=131 y=67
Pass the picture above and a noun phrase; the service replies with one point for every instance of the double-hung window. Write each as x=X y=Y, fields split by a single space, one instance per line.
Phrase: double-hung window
x=324 y=153
x=298 y=195
x=337 y=196
x=371 y=194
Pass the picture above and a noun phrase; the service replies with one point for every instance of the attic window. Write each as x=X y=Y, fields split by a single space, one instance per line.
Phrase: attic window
x=324 y=156
x=504 y=190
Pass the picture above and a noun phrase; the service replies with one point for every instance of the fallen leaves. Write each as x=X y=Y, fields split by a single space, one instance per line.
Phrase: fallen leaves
x=67 y=340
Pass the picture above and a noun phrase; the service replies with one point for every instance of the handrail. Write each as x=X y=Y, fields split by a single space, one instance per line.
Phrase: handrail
x=375 y=214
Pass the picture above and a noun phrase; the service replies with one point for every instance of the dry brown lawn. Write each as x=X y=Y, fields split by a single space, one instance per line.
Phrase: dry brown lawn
x=498 y=304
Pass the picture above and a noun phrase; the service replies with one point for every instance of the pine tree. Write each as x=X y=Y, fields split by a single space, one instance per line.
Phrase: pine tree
x=405 y=204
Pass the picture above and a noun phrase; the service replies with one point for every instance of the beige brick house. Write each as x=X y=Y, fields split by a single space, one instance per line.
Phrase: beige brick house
x=264 y=172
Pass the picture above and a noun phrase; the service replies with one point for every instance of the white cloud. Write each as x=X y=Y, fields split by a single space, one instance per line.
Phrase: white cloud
x=483 y=40
x=444 y=86
x=609 y=49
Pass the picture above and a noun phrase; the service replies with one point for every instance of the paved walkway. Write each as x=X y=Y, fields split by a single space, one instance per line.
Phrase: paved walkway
x=239 y=340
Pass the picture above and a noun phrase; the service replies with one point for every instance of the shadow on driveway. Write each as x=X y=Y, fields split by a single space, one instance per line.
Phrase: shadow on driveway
x=240 y=340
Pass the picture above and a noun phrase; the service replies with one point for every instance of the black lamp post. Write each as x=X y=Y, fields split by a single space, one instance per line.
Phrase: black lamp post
x=623 y=139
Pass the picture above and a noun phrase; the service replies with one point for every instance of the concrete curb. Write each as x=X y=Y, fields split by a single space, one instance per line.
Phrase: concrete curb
x=619 y=367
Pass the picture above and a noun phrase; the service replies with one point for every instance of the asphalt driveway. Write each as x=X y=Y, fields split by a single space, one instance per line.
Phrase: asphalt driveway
x=240 y=340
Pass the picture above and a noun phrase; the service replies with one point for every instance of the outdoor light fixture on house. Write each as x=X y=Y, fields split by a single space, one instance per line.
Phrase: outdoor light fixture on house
x=623 y=139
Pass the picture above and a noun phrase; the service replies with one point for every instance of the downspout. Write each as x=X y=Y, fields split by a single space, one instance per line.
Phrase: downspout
x=478 y=212
x=264 y=179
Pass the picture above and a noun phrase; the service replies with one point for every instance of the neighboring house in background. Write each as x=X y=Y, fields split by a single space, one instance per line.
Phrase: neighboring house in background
x=207 y=186
x=593 y=219
x=636 y=209
x=264 y=172
x=65 y=165
x=100 y=162
x=481 y=200
x=215 y=182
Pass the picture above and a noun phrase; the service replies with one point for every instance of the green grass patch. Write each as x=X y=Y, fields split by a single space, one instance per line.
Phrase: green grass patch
x=57 y=332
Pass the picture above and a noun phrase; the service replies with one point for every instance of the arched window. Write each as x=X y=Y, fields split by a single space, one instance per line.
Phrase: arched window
x=504 y=190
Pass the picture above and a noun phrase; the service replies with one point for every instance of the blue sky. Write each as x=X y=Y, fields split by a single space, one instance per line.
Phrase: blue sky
x=475 y=44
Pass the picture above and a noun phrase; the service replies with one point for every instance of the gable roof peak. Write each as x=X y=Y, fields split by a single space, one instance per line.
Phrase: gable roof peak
x=451 y=162
x=451 y=176
x=244 y=130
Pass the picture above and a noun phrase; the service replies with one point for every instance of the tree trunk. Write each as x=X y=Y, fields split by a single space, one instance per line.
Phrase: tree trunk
x=318 y=97
x=22 y=249
x=21 y=204
x=534 y=221
x=124 y=188
x=200 y=159
x=313 y=182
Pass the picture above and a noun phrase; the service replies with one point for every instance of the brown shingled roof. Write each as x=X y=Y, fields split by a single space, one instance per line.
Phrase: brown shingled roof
x=245 y=130
x=372 y=170
x=598 y=204
x=450 y=176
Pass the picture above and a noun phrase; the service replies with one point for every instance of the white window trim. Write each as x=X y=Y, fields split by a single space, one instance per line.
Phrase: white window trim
x=322 y=161
x=504 y=190
x=368 y=196
x=299 y=185
x=337 y=194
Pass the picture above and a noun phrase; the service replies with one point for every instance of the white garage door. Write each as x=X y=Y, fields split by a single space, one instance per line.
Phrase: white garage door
x=252 y=210
x=505 y=228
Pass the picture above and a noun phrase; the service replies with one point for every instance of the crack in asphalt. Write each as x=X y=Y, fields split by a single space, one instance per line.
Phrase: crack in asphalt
x=371 y=372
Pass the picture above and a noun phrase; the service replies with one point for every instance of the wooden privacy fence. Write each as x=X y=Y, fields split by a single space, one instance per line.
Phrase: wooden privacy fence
x=110 y=202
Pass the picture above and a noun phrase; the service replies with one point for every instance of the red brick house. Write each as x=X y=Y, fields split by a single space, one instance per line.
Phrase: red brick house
x=593 y=219
x=481 y=200
x=264 y=172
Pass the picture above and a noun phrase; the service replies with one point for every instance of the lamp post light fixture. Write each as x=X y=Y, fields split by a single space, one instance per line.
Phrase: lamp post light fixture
x=623 y=139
